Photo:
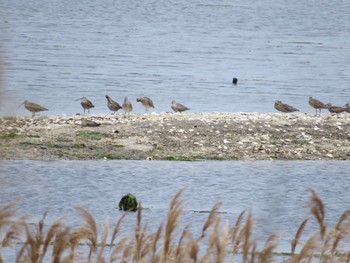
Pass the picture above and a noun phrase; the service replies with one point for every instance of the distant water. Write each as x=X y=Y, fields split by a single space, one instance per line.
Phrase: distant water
x=54 y=52
x=276 y=191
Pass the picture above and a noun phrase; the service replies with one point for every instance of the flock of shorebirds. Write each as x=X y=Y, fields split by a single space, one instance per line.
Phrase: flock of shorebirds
x=178 y=107
x=314 y=103
x=111 y=104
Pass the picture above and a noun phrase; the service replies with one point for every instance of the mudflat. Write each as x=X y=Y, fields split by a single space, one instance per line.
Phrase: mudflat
x=180 y=136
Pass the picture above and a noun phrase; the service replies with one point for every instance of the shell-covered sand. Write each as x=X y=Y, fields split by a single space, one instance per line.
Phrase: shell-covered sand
x=186 y=136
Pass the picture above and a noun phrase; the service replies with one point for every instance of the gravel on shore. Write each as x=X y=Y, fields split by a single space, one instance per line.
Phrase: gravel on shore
x=186 y=136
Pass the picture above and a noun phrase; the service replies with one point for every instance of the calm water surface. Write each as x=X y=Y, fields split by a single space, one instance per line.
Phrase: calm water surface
x=55 y=52
x=276 y=191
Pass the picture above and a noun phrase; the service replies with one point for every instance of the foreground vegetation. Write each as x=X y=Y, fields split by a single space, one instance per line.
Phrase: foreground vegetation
x=216 y=243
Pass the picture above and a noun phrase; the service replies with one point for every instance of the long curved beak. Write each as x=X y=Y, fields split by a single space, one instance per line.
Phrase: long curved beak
x=20 y=104
x=79 y=99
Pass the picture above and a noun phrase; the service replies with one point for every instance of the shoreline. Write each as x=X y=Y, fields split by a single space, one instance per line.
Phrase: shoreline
x=169 y=136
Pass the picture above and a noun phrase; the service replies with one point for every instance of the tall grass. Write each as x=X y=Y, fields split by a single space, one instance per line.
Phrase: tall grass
x=170 y=243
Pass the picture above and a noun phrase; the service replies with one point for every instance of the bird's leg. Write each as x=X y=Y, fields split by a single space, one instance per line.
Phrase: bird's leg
x=33 y=114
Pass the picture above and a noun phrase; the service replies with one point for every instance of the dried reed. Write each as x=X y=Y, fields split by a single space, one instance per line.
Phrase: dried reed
x=161 y=246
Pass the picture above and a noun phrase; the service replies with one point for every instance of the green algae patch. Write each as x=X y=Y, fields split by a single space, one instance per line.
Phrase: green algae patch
x=178 y=158
x=93 y=135
x=128 y=203
x=79 y=146
x=10 y=135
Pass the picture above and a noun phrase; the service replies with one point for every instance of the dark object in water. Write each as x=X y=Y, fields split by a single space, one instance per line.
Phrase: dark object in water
x=128 y=203
x=234 y=81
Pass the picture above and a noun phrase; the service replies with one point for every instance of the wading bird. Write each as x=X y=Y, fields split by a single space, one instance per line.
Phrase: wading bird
x=127 y=106
x=146 y=102
x=112 y=105
x=317 y=105
x=178 y=107
x=283 y=107
x=86 y=104
x=33 y=107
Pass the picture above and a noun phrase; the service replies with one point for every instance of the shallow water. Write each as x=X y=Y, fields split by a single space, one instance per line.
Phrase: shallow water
x=276 y=191
x=56 y=52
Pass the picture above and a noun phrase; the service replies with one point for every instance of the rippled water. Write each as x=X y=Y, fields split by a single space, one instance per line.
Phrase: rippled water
x=58 y=51
x=276 y=191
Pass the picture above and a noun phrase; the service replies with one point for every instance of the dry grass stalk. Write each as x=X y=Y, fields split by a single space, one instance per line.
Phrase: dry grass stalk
x=30 y=251
x=117 y=227
x=61 y=243
x=100 y=257
x=221 y=241
x=247 y=237
x=266 y=254
x=158 y=247
x=194 y=250
x=155 y=242
x=297 y=236
x=88 y=230
x=140 y=238
x=51 y=233
x=174 y=212
x=6 y=213
x=317 y=209
x=210 y=220
x=14 y=230
x=234 y=233
x=308 y=250
x=179 y=246
x=12 y=235
x=213 y=240
x=118 y=248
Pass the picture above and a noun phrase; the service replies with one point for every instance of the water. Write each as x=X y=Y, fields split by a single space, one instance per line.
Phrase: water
x=56 y=52
x=276 y=191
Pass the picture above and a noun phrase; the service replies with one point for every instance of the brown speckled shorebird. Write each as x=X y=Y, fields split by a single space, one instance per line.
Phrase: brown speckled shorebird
x=178 y=107
x=283 y=107
x=317 y=105
x=335 y=109
x=347 y=107
x=33 y=107
x=127 y=106
x=86 y=104
x=89 y=123
x=112 y=105
x=146 y=102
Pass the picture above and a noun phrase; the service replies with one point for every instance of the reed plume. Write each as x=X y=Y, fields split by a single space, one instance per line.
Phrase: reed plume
x=156 y=239
x=100 y=257
x=117 y=228
x=247 y=231
x=297 y=236
x=210 y=220
x=88 y=230
x=174 y=212
x=317 y=209
x=266 y=254
x=161 y=246
x=235 y=231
